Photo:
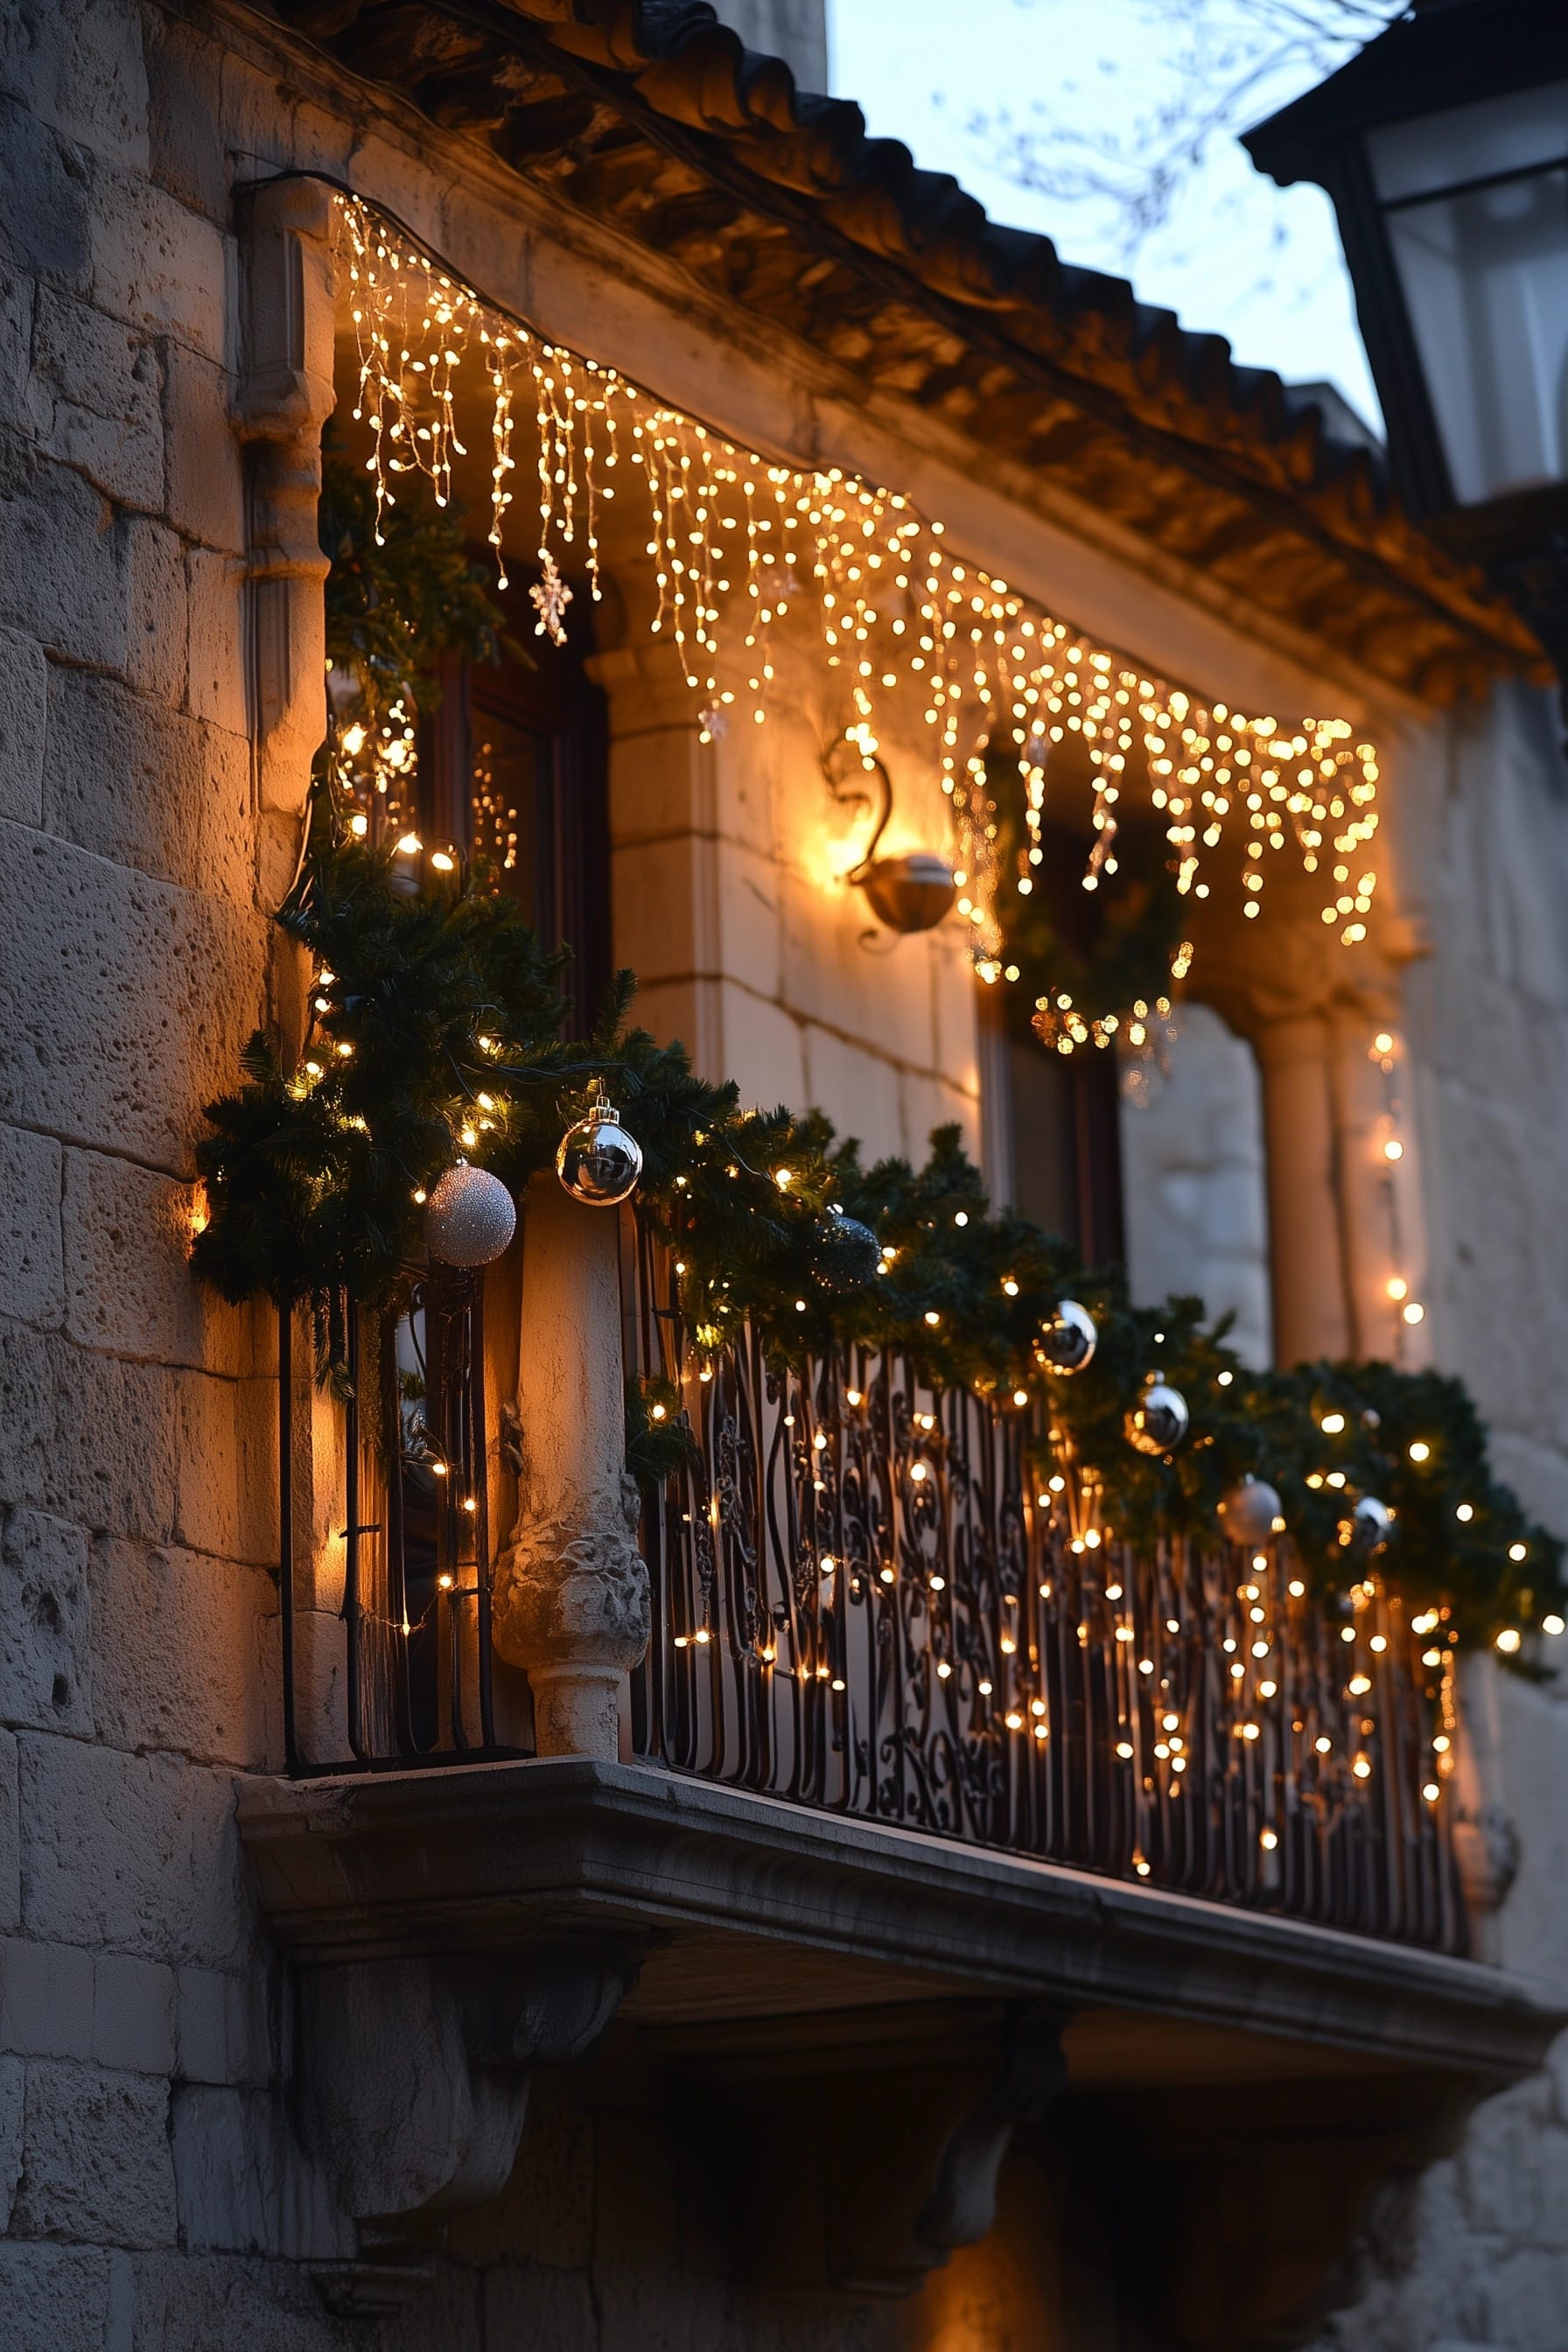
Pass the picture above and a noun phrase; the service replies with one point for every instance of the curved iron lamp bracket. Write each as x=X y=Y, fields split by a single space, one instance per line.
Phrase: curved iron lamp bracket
x=850 y=775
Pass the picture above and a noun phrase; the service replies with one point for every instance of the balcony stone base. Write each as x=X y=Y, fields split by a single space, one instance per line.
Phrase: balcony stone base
x=864 y=2018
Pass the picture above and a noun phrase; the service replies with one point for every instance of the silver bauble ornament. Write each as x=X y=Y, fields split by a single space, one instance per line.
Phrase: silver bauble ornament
x=1371 y=1523
x=1066 y=1340
x=1158 y=1421
x=469 y=1218
x=1248 y=1512
x=599 y=1162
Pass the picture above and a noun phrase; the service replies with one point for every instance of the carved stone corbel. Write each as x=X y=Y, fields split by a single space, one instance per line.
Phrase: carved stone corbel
x=412 y=2086
x=285 y=397
x=866 y=2146
x=889 y=2242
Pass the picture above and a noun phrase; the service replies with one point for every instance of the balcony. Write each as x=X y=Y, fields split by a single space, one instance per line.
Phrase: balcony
x=927 y=1808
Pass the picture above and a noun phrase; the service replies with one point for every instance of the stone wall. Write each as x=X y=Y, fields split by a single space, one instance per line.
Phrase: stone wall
x=137 y=1612
x=1477 y=2254
x=151 y=2196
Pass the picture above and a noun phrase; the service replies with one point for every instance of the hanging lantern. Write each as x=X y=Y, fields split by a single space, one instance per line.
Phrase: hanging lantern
x=1067 y=1340
x=469 y=1218
x=1159 y=1421
x=1249 y=1512
x=599 y=1162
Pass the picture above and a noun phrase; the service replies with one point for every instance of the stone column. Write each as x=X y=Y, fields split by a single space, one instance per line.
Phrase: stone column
x=664 y=845
x=1306 y=1254
x=572 y=1592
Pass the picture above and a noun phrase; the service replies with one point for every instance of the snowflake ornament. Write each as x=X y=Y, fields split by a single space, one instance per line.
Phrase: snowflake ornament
x=550 y=596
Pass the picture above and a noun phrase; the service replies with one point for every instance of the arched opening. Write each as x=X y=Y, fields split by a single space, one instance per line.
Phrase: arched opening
x=1195 y=1179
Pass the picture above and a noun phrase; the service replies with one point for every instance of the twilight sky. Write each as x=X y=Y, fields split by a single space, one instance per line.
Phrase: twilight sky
x=1239 y=257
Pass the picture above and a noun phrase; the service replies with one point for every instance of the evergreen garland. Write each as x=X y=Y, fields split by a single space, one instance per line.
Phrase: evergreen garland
x=436 y=1033
x=1088 y=963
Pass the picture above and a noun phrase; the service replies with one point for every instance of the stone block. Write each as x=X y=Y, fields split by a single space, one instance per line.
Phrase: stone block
x=225 y=1499
x=666 y=895
x=44 y=1624
x=61 y=561
x=45 y=1999
x=54 y=2298
x=205 y=471
x=132 y=2014
x=47 y=204
x=223 y=2303
x=124 y=1001
x=77 y=66
x=179 y=1660
x=10 y=1835
x=19 y=399
x=137 y=1854
x=24 y=700
x=99 y=384
x=1499 y=2178
x=638 y=2312
x=186 y=122
x=32 y=1274
x=217 y=648
x=128 y=1285
x=97 y=2163
x=243 y=2183
x=12 y=2089
x=156 y=265
x=929 y=1104
x=857 y=1088
x=156 y=628
x=89 y=1438
x=549 y=2310
x=662 y=783
x=202 y=2026
x=546 y=2213
x=761 y=1043
x=180 y=806
x=955 y=1006
x=829 y=978
x=447 y=2313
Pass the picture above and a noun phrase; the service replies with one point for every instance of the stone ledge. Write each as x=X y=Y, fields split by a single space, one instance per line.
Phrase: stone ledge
x=767 y=1908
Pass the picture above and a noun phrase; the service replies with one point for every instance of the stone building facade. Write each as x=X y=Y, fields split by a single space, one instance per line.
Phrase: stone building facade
x=180 y=2165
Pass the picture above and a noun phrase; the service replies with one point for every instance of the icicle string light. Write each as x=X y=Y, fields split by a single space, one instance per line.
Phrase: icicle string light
x=731 y=536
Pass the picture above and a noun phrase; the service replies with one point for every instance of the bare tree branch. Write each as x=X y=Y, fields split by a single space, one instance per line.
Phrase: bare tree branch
x=1230 y=60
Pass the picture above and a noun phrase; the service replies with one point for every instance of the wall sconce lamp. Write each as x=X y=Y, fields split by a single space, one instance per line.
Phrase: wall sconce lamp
x=911 y=893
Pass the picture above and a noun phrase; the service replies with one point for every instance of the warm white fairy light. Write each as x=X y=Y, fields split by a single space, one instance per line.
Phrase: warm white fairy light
x=731 y=536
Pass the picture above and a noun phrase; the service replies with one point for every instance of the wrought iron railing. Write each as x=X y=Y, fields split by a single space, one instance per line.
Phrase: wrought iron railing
x=866 y=1602
x=386 y=1610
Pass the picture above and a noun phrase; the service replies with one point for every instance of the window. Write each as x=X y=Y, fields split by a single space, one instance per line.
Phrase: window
x=513 y=768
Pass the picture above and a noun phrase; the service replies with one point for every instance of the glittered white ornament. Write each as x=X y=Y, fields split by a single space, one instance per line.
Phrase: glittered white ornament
x=1248 y=1512
x=599 y=1162
x=1371 y=1523
x=469 y=1218
x=1067 y=1340
x=1159 y=1421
